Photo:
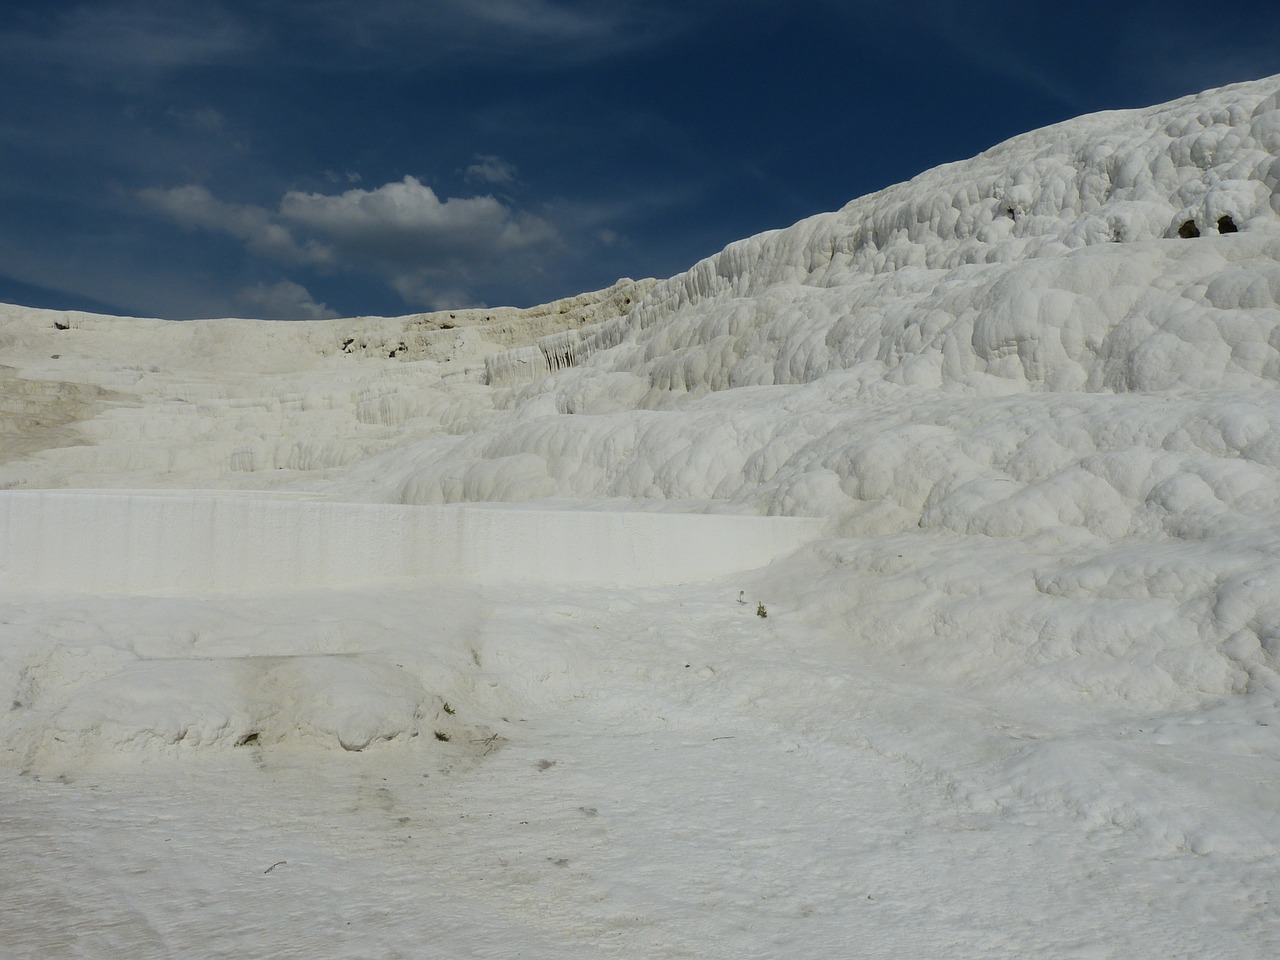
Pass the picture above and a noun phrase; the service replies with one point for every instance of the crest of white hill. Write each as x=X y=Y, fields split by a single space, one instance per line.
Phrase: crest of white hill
x=1043 y=380
x=1020 y=341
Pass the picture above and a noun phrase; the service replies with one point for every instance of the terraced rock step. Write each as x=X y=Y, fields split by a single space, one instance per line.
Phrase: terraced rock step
x=119 y=541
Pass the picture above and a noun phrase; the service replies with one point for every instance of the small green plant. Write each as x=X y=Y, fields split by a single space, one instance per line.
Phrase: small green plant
x=448 y=709
x=442 y=736
x=761 y=611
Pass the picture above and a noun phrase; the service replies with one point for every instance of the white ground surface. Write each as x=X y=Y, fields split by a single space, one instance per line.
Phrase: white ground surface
x=635 y=773
x=1018 y=699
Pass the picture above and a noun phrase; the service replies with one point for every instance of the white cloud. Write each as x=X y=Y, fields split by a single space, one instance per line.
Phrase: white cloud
x=490 y=169
x=405 y=222
x=284 y=300
x=430 y=250
x=194 y=207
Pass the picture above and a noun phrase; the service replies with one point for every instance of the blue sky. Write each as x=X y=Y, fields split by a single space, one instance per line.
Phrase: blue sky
x=320 y=158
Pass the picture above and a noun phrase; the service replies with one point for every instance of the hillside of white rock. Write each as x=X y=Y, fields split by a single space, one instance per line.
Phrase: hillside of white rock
x=1009 y=432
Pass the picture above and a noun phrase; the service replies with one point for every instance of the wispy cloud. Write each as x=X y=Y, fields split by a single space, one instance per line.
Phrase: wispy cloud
x=490 y=169
x=284 y=300
x=1147 y=50
x=428 y=249
x=991 y=36
x=124 y=42
x=204 y=120
x=533 y=34
x=195 y=208
x=124 y=38
x=539 y=20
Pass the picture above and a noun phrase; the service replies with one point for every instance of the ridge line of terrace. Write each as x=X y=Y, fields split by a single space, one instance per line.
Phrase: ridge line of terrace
x=141 y=541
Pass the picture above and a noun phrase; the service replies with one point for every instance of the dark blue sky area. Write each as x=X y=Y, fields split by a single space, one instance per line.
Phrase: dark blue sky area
x=332 y=157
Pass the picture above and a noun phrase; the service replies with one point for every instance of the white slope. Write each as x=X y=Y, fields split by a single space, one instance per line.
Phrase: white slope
x=123 y=402
x=1021 y=702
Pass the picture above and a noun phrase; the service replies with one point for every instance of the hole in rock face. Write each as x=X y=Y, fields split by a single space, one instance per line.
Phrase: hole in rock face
x=1188 y=230
x=247 y=739
x=1227 y=225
